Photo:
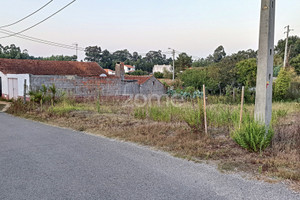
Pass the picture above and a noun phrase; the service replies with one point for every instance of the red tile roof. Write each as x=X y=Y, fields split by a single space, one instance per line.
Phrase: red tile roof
x=45 y=67
x=140 y=79
x=129 y=66
x=109 y=70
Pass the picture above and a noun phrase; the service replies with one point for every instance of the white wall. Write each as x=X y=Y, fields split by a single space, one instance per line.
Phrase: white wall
x=20 y=77
x=161 y=68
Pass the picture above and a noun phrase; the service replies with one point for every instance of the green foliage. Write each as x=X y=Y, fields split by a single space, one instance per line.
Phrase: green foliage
x=295 y=62
x=253 y=136
x=44 y=94
x=158 y=75
x=276 y=71
x=138 y=73
x=13 y=52
x=246 y=71
x=93 y=54
x=182 y=62
x=282 y=84
x=61 y=58
x=219 y=54
x=294 y=45
x=201 y=76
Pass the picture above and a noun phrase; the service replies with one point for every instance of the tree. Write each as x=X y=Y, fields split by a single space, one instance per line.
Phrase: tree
x=122 y=56
x=138 y=73
x=60 y=58
x=93 y=54
x=158 y=75
x=295 y=62
x=198 y=77
x=293 y=44
x=13 y=52
x=219 y=54
x=182 y=62
x=282 y=84
x=246 y=71
x=106 y=60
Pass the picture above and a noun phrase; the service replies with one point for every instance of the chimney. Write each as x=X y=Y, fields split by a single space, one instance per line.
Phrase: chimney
x=120 y=72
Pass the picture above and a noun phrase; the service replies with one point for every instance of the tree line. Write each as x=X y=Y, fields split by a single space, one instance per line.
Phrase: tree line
x=218 y=71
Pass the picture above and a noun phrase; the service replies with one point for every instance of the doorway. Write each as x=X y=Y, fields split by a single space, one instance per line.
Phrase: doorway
x=12 y=88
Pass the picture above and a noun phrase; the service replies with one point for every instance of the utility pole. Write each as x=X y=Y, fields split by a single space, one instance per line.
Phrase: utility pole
x=285 y=62
x=264 y=82
x=173 y=53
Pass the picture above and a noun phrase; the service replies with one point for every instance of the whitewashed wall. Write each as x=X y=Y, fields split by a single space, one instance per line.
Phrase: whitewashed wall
x=20 y=77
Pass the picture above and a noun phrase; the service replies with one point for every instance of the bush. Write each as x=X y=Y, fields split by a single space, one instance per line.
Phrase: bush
x=253 y=136
x=158 y=75
x=282 y=84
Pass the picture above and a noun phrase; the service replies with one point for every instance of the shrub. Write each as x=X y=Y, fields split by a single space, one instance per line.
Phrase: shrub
x=158 y=75
x=253 y=136
x=282 y=84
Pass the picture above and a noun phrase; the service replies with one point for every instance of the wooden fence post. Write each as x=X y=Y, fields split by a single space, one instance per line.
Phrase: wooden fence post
x=204 y=106
x=242 y=105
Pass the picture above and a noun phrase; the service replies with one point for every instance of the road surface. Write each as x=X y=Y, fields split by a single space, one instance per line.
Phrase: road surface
x=44 y=162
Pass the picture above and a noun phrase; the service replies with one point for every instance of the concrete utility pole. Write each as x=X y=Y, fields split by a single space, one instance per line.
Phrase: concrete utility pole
x=173 y=53
x=285 y=62
x=264 y=82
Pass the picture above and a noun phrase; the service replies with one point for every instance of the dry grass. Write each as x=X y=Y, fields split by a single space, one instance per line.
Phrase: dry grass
x=280 y=162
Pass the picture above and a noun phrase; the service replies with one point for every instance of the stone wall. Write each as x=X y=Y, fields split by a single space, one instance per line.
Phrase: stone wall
x=84 y=86
x=152 y=86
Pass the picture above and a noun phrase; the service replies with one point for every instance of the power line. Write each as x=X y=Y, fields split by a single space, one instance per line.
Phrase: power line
x=26 y=16
x=39 y=22
x=47 y=42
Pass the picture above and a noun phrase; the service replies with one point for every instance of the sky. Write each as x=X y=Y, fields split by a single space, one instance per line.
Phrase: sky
x=196 y=27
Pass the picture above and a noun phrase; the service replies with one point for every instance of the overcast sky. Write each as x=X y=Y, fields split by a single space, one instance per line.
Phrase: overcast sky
x=193 y=26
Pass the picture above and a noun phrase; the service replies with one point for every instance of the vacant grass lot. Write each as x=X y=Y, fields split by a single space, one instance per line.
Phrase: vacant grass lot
x=179 y=130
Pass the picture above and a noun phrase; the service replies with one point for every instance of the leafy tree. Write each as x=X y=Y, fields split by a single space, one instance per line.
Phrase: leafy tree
x=219 y=54
x=107 y=60
x=93 y=54
x=138 y=73
x=182 y=62
x=201 y=63
x=122 y=56
x=293 y=44
x=246 y=71
x=282 y=84
x=158 y=75
x=61 y=58
x=198 y=77
x=295 y=62
x=13 y=52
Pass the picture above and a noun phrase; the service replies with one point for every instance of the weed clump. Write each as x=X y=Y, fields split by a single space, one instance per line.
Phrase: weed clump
x=253 y=136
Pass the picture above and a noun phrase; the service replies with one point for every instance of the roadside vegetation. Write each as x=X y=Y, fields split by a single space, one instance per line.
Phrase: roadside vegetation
x=178 y=128
x=176 y=123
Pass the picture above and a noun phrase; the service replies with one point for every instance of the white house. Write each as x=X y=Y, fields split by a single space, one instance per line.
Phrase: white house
x=129 y=68
x=162 y=68
x=12 y=85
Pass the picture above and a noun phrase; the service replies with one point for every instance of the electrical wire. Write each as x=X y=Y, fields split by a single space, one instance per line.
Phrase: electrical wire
x=26 y=16
x=47 y=42
x=39 y=22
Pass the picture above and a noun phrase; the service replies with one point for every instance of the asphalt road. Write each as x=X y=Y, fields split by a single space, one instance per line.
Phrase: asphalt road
x=43 y=162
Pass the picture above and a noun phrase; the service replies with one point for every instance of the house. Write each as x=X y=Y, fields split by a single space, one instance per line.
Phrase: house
x=110 y=72
x=129 y=68
x=162 y=68
x=78 y=79
x=14 y=73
